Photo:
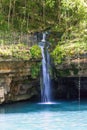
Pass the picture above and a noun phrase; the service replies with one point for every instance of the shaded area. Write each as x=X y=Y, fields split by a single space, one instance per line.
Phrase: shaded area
x=70 y=87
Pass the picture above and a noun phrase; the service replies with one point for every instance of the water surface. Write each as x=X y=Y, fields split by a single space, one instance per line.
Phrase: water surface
x=62 y=115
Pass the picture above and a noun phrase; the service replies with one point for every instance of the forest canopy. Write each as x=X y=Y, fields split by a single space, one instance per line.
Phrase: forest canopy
x=68 y=18
x=27 y=15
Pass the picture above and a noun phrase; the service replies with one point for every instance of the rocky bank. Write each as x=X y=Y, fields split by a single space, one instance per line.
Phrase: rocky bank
x=16 y=82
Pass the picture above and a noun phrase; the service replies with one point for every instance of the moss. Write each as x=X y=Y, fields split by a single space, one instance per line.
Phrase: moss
x=35 y=70
x=58 y=54
x=19 y=51
x=74 y=69
x=35 y=52
x=63 y=73
x=67 y=72
x=62 y=52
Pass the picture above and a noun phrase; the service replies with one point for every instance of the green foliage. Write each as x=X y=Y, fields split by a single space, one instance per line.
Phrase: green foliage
x=19 y=51
x=35 y=52
x=50 y=3
x=74 y=69
x=31 y=15
x=3 y=23
x=58 y=54
x=66 y=17
x=74 y=8
x=72 y=15
x=35 y=70
x=63 y=73
x=68 y=51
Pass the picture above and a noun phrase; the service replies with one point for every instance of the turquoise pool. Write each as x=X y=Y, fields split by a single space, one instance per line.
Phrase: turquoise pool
x=63 y=115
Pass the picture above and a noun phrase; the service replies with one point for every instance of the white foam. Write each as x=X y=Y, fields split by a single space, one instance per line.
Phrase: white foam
x=48 y=103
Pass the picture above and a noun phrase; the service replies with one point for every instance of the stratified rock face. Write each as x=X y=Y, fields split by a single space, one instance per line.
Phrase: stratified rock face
x=16 y=83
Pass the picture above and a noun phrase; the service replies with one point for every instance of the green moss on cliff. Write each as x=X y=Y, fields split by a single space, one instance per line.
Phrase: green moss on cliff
x=68 y=51
x=63 y=73
x=35 y=52
x=19 y=51
x=35 y=70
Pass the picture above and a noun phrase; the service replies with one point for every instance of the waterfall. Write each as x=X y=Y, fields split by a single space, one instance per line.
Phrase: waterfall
x=44 y=37
x=46 y=81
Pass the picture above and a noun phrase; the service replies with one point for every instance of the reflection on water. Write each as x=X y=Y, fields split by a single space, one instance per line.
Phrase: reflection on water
x=57 y=116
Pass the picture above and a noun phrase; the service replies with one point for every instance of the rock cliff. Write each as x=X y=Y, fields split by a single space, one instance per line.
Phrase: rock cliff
x=16 y=82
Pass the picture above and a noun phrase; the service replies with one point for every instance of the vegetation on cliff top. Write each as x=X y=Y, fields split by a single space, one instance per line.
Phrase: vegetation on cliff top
x=19 y=52
x=28 y=15
x=69 y=18
x=69 y=51
x=73 y=42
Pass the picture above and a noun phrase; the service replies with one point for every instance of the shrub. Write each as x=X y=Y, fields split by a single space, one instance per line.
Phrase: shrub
x=35 y=52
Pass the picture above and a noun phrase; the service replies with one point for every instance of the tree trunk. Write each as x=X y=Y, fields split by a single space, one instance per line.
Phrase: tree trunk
x=9 y=13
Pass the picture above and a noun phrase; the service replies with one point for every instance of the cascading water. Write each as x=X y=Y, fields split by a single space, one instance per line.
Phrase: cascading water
x=44 y=37
x=46 y=81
